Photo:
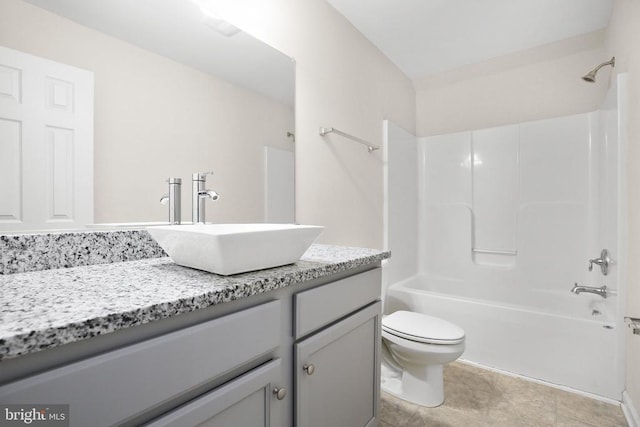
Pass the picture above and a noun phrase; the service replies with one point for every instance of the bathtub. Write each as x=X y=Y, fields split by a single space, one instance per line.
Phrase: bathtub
x=549 y=336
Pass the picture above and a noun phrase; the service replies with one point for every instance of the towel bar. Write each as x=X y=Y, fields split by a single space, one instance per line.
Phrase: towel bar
x=370 y=147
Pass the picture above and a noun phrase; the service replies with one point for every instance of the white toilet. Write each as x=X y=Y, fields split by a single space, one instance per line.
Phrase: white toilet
x=419 y=345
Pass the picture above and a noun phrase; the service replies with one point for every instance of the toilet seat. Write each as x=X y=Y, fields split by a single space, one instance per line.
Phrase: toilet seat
x=422 y=328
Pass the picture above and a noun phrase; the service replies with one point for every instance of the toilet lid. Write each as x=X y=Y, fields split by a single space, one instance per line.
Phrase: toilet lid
x=422 y=328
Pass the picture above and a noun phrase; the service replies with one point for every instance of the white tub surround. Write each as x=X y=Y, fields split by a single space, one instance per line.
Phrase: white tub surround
x=508 y=221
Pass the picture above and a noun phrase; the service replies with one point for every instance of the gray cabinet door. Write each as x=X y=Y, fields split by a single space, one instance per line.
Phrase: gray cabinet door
x=247 y=401
x=338 y=373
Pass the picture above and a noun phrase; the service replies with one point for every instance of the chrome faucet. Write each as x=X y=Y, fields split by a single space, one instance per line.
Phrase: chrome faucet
x=173 y=199
x=602 y=290
x=604 y=261
x=199 y=194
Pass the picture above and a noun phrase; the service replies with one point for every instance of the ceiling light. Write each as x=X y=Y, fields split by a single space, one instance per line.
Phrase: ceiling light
x=215 y=22
x=219 y=25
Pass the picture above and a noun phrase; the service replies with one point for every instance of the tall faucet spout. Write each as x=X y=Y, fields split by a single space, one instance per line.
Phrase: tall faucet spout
x=199 y=195
x=173 y=198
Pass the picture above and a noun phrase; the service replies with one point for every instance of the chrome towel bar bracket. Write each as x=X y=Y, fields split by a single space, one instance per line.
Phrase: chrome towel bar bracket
x=634 y=324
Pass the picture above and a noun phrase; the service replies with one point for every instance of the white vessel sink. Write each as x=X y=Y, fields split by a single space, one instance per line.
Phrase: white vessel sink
x=234 y=248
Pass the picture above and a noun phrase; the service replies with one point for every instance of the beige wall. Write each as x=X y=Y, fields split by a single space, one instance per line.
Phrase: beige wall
x=155 y=118
x=535 y=84
x=342 y=81
x=623 y=41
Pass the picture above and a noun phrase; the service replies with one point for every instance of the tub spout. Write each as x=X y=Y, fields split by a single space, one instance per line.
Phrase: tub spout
x=602 y=290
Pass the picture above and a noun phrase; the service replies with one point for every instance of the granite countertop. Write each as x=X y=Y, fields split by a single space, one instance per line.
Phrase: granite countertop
x=45 y=309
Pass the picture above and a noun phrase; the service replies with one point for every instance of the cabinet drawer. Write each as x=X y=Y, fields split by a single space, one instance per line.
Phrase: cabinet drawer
x=118 y=385
x=320 y=306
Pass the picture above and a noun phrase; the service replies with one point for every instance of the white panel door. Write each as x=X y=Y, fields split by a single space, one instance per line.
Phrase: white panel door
x=46 y=143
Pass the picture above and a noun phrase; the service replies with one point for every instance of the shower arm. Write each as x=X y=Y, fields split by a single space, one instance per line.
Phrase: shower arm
x=591 y=75
x=611 y=62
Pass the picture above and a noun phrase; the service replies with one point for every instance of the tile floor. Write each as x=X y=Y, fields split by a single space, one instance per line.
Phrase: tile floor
x=479 y=397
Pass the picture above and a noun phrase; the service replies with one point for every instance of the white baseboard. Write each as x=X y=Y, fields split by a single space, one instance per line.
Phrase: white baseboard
x=630 y=411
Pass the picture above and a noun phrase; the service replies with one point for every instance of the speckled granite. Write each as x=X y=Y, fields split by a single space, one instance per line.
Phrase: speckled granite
x=20 y=253
x=44 y=309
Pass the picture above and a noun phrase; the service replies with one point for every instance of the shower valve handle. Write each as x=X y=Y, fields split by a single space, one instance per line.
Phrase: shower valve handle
x=604 y=261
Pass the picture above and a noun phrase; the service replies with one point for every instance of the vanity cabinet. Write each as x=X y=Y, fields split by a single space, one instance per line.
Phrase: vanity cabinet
x=304 y=355
x=337 y=366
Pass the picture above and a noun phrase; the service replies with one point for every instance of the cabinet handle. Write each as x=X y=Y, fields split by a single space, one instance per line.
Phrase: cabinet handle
x=280 y=392
x=309 y=369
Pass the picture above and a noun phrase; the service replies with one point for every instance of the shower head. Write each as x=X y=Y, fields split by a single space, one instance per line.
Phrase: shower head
x=591 y=75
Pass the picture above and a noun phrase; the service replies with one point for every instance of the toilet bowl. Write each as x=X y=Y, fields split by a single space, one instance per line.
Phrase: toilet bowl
x=419 y=345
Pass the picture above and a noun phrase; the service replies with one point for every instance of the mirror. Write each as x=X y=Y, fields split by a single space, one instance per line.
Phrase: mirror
x=172 y=96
